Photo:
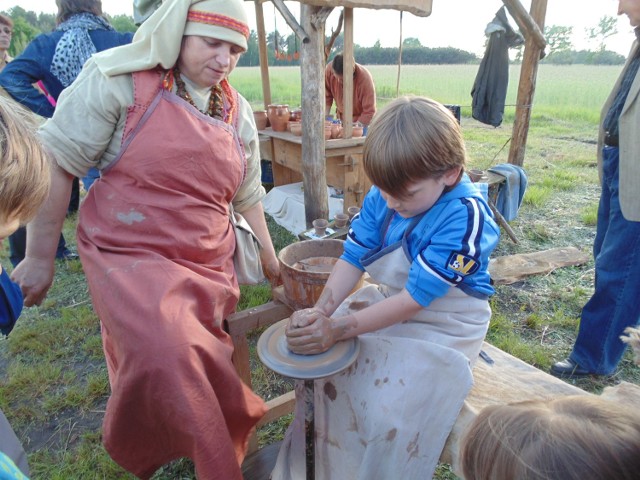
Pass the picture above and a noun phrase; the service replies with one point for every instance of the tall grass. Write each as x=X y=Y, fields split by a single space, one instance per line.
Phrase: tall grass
x=569 y=93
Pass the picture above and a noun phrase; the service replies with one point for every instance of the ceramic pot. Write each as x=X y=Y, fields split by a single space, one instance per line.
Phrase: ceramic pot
x=320 y=225
x=278 y=117
x=357 y=131
x=341 y=220
x=295 y=128
x=336 y=130
x=262 y=120
x=296 y=115
x=353 y=211
x=327 y=132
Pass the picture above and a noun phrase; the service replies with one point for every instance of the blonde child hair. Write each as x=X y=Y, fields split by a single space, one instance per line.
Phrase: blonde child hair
x=570 y=438
x=25 y=173
x=412 y=138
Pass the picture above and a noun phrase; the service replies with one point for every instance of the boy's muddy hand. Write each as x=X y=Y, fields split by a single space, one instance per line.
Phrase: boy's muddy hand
x=302 y=318
x=314 y=337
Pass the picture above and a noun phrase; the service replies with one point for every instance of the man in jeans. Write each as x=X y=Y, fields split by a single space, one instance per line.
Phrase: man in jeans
x=614 y=305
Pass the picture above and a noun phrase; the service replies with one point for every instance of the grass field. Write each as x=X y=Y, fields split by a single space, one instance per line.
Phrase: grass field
x=54 y=381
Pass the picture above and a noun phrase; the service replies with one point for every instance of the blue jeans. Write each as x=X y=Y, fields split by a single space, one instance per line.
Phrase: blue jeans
x=18 y=246
x=615 y=301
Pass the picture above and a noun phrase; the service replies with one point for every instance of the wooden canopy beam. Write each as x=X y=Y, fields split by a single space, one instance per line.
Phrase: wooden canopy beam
x=291 y=20
x=526 y=23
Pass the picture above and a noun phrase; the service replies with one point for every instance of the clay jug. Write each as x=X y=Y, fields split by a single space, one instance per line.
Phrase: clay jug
x=278 y=117
x=336 y=130
x=262 y=120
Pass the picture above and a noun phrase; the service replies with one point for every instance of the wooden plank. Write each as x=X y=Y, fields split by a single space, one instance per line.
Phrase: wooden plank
x=421 y=8
x=240 y=323
x=513 y=268
x=526 y=88
x=278 y=407
x=507 y=380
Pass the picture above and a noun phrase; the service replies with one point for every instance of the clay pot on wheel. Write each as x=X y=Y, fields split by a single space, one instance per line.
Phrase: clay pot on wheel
x=261 y=118
x=278 y=117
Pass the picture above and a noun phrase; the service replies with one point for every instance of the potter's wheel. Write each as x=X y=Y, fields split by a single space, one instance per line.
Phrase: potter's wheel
x=275 y=354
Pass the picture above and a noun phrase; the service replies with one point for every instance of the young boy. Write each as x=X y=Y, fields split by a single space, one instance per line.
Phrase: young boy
x=24 y=185
x=424 y=234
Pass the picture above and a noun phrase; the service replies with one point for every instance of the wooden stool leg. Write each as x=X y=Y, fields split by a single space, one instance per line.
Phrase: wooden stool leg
x=309 y=429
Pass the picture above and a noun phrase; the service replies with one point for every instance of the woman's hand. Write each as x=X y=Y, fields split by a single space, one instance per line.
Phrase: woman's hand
x=310 y=332
x=34 y=276
x=271 y=269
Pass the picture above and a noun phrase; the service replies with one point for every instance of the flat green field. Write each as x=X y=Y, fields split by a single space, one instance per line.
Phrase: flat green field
x=573 y=92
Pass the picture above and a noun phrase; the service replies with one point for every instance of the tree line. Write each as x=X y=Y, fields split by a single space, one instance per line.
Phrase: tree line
x=285 y=50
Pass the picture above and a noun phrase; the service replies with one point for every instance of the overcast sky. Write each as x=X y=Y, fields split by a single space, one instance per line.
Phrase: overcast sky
x=455 y=23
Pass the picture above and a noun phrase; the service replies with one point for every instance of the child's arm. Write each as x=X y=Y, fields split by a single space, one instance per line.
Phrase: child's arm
x=324 y=332
x=35 y=273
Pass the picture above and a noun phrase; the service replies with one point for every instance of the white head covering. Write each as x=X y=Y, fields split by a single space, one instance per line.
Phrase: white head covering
x=159 y=38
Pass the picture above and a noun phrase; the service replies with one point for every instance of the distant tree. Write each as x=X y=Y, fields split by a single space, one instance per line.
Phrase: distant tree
x=558 y=38
x=123 y=23
x=46 y=22
x=23 y=33
x=411 y=42
x=377 y=45
x=607 y=26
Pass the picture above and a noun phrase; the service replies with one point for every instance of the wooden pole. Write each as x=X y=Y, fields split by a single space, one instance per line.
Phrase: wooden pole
x=314 y=171
x=347 y=75
x=526 y=87
x=262 y=51
x=399 y=58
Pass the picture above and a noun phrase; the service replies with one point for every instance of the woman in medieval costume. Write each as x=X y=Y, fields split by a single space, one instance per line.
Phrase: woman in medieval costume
x=176 y=144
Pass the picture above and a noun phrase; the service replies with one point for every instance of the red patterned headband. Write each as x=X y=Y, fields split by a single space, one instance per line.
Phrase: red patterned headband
x=219 y=20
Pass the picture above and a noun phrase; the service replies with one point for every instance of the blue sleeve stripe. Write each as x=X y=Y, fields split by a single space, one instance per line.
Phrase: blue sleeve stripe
x=475 y=221
x=435 y=273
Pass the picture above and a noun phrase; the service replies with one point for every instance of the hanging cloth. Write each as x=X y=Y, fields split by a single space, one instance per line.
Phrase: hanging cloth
x=490 y=87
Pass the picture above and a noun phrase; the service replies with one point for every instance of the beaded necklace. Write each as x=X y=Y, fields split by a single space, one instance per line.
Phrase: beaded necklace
x=216 y=104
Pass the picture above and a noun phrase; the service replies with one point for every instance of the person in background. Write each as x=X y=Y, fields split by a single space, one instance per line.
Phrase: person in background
x=424 y=235
x=176 y=145
x=24 y=186
x=576 y=437
x=364 y=91
x=614 y=304
x=54 y=60
x=6 y=32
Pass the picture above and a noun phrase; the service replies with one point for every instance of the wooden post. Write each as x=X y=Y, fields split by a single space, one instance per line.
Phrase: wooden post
x=262 y=50
x=314 y=171
x=347 y=77
x=526 y=87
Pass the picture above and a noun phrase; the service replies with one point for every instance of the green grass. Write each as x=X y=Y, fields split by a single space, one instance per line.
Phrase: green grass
x=54 y=382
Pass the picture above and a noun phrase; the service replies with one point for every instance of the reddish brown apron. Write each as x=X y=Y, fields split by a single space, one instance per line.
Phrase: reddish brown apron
x=157 y=249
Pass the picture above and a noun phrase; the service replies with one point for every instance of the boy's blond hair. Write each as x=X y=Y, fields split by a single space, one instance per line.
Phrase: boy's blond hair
x=25 y=173
x=412 y=139
x=577 y=437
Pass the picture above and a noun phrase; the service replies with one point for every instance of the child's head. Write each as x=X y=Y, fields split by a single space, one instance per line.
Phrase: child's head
x=412 y=139
x=570 y=438
x=24 y=169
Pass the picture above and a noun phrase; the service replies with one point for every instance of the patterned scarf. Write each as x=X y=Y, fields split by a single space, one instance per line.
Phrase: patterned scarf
x=75 y=47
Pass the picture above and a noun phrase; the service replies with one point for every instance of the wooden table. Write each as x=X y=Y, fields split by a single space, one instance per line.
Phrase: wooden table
x=343 y=159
